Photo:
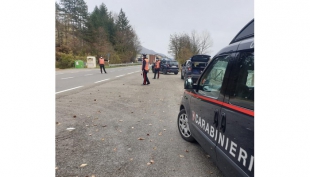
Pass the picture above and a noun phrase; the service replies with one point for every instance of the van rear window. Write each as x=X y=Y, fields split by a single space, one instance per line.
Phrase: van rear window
x=173 y=63
x=246 y=32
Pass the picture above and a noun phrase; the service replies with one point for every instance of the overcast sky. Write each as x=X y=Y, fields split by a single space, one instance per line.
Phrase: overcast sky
x=155 y=20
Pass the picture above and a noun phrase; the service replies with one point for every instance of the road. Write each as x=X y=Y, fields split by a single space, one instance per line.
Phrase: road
x=120 y=127
x=75 y=78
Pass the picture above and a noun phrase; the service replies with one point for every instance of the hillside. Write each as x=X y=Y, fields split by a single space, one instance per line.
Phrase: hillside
x=148 y=51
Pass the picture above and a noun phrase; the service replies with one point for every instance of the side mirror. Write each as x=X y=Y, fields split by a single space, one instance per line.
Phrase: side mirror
x=188 y=84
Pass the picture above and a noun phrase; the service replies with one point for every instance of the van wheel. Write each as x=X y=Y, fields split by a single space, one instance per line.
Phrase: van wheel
x=183 y=126
x=176 y=73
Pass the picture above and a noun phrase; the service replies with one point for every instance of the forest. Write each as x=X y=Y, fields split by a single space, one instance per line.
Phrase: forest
x=79 y=34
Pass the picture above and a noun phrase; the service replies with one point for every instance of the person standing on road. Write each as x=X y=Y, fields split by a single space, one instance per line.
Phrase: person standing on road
x=145 y=70
x=157 y=65
x=101 y=64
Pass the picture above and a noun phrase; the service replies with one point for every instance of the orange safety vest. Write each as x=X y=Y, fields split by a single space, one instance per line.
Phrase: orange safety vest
x=146 y=67
x=157 y=64
x=101 y=61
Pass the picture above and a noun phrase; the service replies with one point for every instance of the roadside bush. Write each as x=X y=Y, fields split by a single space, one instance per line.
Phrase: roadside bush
x=63 y=49
x=64 y=60
x=115 y=59
x=83 y=58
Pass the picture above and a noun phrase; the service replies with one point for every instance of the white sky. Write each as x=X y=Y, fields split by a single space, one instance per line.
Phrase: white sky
x=155 y=20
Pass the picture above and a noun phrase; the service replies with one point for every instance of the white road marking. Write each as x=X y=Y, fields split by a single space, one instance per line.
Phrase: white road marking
x=69 y=89
x=120 y=76
x=131 y=73
x=88 y=74
x=67 y=78
x=102 y=80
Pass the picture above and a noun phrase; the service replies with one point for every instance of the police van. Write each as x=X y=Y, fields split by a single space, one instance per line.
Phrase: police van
x=217 y=111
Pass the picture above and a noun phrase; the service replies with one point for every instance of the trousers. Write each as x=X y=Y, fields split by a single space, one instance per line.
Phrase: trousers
x=102 y=67
x=145 y=78
x=156 y=72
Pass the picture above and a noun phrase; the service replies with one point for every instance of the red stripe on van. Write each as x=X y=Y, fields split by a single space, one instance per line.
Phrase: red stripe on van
x=230 y=106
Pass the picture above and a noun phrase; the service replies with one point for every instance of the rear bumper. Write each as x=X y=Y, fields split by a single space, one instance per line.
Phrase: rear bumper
x=172 y=70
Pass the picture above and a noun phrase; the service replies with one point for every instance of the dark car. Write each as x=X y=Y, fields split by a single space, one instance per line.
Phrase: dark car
x=183 y=68
x=194 y=66
x=153 y=65
x=167 y=66
x=218 y=110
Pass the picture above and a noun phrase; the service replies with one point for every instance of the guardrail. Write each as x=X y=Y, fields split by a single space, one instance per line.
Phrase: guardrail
x=124 y=64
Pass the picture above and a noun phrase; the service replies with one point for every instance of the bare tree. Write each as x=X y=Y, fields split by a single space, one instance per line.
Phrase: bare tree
x=205 y=42
x=183 y=46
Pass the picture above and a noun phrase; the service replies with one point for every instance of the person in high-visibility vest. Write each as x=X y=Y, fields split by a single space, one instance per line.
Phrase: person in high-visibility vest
x=157 y=66
x=101 y=64
x=145 y=70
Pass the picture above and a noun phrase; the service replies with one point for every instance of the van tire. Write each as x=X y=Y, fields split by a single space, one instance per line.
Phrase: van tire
x=183 y=126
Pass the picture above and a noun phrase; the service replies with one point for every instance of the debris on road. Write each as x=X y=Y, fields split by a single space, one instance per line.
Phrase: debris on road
x=83 y=165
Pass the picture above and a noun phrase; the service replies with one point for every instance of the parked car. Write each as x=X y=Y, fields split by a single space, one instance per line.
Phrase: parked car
x=218 y=110
x=183 y=68
x=194 y=66
x=167 y=66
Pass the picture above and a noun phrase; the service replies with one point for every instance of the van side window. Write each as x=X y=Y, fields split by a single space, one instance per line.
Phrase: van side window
x=211 y=81
x=242 y=90
x=248 y=31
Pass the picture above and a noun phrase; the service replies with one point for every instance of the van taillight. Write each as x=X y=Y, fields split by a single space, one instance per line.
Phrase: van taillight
x=189 y=69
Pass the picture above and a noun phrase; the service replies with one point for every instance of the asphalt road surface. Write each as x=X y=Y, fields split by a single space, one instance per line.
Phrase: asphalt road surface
x=69 y=79
x=119 y=127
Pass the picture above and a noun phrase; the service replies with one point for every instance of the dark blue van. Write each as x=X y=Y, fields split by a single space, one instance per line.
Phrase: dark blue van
x=217 y=111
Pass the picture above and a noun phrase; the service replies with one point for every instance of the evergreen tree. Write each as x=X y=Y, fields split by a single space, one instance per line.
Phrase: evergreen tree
x=97 y=33
x=122 y=22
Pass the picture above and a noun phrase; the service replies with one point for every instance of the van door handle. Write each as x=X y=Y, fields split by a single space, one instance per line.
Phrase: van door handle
x=216 y=113
x=223 y=123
